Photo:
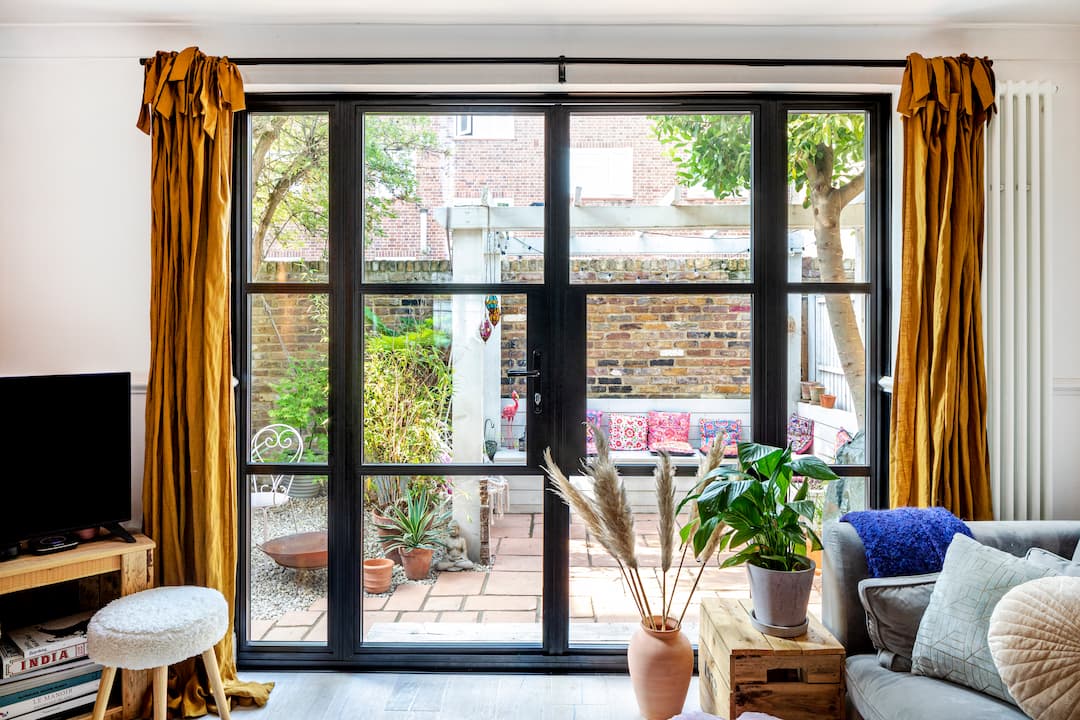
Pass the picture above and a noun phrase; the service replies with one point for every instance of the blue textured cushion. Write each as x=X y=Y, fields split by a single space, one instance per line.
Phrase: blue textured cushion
x=905 y=541
x=952 y=642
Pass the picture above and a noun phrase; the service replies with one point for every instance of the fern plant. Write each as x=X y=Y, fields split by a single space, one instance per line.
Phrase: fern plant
x=754 y=511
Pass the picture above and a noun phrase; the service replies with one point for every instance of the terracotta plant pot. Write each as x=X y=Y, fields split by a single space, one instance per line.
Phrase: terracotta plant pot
x=417 y=562
x=804 y=391
x=661 y=663
x=816 y=391
x=827 y=400
x=377 y=574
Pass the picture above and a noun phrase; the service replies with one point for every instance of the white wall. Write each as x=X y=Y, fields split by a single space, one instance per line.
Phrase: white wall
x=74 y=224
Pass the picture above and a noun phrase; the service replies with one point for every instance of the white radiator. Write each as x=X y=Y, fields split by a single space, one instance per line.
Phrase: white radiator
x=1016 y=297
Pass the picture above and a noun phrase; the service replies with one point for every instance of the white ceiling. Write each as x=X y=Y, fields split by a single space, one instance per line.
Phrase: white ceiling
x=557 y=12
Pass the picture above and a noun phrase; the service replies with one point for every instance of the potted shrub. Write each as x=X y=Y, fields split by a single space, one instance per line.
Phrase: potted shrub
x=415 y=528
x=767 y=528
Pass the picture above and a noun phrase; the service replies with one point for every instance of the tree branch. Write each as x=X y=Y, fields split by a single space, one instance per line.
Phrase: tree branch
x=852 y=189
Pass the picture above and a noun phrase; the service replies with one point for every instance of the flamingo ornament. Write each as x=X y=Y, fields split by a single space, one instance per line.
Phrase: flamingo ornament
x=508 y=414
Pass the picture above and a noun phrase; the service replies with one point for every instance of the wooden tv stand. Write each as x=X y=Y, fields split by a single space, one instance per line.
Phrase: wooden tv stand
x=135 y=564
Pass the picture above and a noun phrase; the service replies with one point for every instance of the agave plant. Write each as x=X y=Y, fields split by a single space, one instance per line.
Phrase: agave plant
x=420 y=522
x=754 y=511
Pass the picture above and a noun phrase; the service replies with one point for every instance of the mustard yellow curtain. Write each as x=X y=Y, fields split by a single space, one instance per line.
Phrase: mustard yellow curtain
x=189 y=485
x=938 y=444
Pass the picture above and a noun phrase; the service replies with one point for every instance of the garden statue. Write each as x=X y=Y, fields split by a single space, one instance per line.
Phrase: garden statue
x=457 y=552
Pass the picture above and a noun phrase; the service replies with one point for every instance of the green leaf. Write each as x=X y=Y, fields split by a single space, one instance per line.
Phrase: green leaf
x=813 y=467
x=751 y=453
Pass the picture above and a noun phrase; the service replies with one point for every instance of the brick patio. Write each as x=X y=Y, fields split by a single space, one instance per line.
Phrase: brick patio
x=504 y=604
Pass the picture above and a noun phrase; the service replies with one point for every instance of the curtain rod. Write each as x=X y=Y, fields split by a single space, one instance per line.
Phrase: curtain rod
x=562 y=61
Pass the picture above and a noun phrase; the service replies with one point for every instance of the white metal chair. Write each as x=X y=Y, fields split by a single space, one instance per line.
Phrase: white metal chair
x=276 y=443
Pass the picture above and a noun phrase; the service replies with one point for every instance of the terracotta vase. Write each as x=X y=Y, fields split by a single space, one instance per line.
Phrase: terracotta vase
x=661 y=663
x=827 y=400
x=417 y=562
x=377 y=574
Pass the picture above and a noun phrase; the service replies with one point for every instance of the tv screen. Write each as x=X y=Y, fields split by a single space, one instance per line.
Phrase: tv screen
x=69 y=438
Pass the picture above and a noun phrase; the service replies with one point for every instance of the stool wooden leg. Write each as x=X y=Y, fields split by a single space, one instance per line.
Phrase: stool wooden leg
x=103 y=692
x=161 y=692
x=210 y=661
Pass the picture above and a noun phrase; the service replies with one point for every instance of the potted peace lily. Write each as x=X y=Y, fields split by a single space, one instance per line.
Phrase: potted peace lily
x=766 y=526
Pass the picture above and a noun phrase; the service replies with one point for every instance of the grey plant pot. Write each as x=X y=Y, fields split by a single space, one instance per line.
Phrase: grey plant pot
x=780 y=597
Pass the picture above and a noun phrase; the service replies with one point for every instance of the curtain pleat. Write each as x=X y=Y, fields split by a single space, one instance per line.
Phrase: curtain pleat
x=938 y=452
x=189 y=482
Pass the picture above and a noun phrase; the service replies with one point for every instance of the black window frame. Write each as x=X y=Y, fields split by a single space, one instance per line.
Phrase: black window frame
x=556 y=302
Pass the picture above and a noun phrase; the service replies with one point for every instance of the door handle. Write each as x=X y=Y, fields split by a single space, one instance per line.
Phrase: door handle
x=533 y=373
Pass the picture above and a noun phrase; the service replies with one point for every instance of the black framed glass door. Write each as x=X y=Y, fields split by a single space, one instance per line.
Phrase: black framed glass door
x=456 y=285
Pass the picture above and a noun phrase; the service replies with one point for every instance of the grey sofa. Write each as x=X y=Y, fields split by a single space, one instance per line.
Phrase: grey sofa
x=876 y=693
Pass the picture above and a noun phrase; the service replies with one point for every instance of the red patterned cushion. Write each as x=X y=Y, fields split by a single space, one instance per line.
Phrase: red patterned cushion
x=800 y=433
x=673 y=447
x=668 y=427
x=628 y=432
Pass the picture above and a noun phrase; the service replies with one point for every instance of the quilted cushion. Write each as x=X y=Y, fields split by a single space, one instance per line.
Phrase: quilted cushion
x=1035 y=641
x=712 y=428
x=157 y=627
x=627 y=432
x=951 y=643
x=596 y=417
x=673 y=447
x=668 y=427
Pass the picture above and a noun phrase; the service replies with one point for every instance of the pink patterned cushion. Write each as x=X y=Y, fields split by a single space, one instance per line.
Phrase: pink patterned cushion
x=596 y=417
x=668 y=427
x=673 y=447
x=712 y=429
x=628 y=432
x=800 y=433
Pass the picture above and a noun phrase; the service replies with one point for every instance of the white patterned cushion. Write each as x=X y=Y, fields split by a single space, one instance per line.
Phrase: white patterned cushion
x=951 y=643
x=1035 y=641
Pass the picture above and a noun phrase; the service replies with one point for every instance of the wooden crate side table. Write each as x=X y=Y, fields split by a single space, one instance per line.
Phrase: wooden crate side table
x=741 y=669
x=133 y=561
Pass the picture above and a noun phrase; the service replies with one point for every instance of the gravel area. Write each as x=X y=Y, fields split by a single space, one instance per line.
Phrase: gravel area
x=276 y=590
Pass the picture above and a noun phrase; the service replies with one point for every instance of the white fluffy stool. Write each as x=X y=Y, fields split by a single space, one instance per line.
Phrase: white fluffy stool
x=154 y=629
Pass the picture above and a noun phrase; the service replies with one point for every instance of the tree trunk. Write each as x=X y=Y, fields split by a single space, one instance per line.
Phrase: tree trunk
x=828 y=202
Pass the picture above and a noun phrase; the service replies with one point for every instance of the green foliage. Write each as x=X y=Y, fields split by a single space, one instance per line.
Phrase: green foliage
x=408 y=385
x=420 y=522
x=302 y=403
x=716 y=150
x=752 y=509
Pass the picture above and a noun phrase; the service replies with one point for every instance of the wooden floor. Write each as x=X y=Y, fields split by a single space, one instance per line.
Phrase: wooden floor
x=397 y=696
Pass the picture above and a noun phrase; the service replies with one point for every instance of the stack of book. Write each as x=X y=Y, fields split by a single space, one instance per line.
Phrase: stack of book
x=45 y=672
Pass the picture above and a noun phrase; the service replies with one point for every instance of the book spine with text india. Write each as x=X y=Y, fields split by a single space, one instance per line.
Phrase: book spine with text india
x=15 y=664
x=46 y=638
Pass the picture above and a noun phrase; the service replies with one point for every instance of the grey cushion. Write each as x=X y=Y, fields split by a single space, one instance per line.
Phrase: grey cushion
x=879 y=694
x=1046 y=559
x=952 y=640
x=894 y=606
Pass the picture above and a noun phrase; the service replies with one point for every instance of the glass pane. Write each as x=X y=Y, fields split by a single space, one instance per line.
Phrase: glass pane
x=287 y=546
x=485 y=586
x=289 y=377
x=436 y=388
x=660 y=198
x=290 y=218
x=827 y=376
x=827 y=217
x=453 y=198
x=671 y=369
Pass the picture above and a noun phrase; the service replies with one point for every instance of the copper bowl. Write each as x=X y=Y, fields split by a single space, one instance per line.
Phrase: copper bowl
x=302 y=551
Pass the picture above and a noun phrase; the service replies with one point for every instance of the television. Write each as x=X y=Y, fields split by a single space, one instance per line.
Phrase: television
x=67 y=454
